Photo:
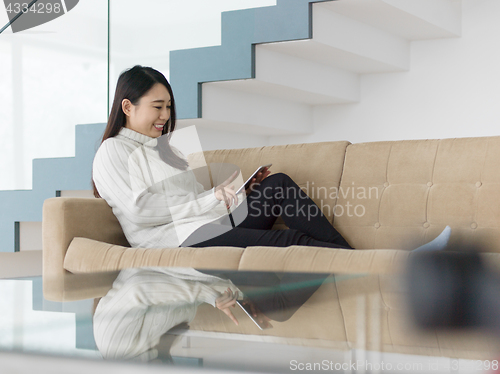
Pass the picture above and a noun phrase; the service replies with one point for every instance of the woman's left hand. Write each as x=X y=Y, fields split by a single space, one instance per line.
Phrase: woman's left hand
x=257 y=179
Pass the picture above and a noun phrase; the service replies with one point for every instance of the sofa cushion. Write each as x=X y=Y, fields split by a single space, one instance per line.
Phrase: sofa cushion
x=313 y=166
x=323 y=260
x=401 y=194
x=90 y=256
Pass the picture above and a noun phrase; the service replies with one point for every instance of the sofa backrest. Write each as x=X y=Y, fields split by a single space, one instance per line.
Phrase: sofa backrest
x=396 y=194
x=401 y=194
x=309 y=165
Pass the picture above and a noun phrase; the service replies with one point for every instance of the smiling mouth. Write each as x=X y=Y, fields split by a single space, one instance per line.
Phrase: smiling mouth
x=158 y=127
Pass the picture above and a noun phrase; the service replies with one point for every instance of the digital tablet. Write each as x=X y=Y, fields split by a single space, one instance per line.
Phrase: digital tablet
x=263 y=326
x=247 y=183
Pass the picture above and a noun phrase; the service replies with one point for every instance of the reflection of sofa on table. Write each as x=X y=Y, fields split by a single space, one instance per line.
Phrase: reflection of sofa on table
x=394 y=194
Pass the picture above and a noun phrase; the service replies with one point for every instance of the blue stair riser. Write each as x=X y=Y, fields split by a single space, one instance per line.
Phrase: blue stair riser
x=49 y=175
x=235 y=58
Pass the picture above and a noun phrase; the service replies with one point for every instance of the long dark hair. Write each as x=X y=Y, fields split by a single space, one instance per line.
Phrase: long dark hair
x=132 y=84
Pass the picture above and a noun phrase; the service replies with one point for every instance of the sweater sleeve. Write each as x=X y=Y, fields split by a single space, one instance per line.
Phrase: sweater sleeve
x=120 y=178
x=148 y=287
x=145 y=287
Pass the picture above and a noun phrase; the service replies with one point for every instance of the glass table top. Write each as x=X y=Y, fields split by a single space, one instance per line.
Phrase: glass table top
x=346 y=323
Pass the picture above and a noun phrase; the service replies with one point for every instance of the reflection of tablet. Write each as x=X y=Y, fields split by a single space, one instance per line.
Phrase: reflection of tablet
x=263 y=326
x=247 y=183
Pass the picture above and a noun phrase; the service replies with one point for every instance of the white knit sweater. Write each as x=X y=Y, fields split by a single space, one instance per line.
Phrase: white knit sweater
x=156 y=204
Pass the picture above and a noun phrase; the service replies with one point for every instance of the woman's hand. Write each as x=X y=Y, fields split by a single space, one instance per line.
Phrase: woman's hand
x=257 y=179
x=225 y=301
x=256 y=313
x=226 y=193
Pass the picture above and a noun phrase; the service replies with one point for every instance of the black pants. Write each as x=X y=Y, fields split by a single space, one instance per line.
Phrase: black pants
x=278 y=296
x=277 y=195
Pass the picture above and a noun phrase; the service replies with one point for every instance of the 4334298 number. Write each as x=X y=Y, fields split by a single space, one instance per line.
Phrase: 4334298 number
x=35 y=8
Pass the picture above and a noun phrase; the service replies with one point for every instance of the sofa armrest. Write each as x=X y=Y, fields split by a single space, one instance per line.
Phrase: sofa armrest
x=66 y=218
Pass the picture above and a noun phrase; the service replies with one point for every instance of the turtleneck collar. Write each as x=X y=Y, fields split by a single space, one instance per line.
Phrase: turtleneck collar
x=137 y=137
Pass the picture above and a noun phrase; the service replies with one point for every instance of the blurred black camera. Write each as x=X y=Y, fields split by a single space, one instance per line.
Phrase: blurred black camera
x=453 y=289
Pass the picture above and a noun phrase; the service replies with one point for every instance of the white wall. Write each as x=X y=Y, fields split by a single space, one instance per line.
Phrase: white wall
x=451 y=90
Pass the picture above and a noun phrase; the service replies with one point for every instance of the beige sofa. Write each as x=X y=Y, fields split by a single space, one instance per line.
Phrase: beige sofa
x=388 y=197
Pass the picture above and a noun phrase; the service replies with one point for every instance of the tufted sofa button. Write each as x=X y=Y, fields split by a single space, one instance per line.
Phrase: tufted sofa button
x=473 y=225
x=429 y=184
x=426 y=224
x=478 y=184
x=377 y=225
x=386 y=184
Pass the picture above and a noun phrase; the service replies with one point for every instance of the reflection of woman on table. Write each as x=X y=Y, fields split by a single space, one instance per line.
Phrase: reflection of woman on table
x=145 y=303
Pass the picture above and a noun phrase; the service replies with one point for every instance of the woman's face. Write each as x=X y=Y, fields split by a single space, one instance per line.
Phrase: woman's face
x=151 y=113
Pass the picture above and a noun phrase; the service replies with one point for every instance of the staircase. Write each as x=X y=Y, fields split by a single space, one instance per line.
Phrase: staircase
x=273 y=67
x=267 y=83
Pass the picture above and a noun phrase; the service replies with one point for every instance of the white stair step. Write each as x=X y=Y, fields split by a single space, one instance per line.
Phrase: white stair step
x=253 y=113
x=411 y=19
x=348 y=44
x=324 y=54
x=213 y=135
x=358 y=40
x=313 y=82
x=89 y=194
x=296 y=79
x=272 y=90
x=20 y=264
x=222 y=126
